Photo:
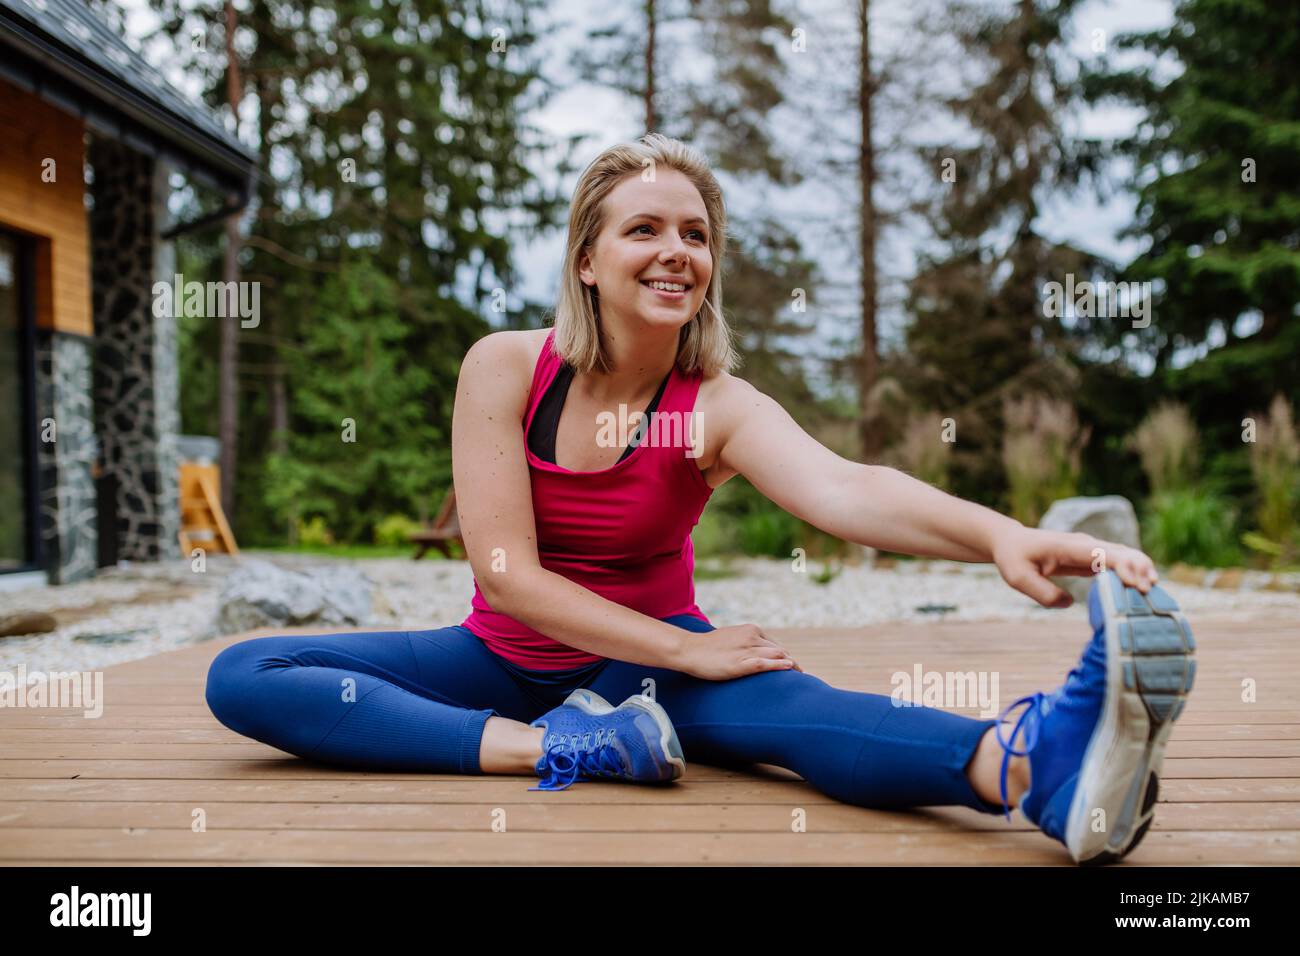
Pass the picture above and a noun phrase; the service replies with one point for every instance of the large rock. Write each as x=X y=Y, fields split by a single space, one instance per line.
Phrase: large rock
x=29 y=622
x=1108 y=517
x=259 y=594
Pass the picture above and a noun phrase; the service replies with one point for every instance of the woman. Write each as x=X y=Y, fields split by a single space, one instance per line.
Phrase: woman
x=583 y=563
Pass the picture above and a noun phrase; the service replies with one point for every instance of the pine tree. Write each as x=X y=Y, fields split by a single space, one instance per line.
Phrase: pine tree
x=1217 y=158
x=724 y=109
x=979 y=331
x=393 y=143
x=363 y=445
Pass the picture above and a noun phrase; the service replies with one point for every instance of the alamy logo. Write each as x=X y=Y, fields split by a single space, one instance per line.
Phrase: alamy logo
x=211 y=300
x=84 y=689
x=661 y=430
x=923 y=688
x=1110 y=300
x=102 y=909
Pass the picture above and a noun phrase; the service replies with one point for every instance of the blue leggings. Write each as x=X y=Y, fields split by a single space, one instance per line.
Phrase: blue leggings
x=418 y=700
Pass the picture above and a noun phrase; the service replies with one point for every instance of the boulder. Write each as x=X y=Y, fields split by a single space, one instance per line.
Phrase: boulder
x=1108 y=517
x=29 y=622
x=260 y=594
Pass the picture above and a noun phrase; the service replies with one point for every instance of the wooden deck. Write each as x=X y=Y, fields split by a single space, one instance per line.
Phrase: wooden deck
x=125 y=788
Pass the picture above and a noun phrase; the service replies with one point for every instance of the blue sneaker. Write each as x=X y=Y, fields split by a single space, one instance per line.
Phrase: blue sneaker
x=587 y=738
x=1096 y=744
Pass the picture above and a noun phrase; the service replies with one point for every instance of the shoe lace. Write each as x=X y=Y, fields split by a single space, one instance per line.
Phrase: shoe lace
x=1030 y=720
x=569 y=756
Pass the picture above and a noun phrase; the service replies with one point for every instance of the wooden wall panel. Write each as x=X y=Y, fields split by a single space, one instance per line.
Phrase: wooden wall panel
x=55 y=212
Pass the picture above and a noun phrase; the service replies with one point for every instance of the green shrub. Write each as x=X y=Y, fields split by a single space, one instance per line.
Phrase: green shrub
x=1169 y=445
x=921 y=450
x=768 y=533
x=829 y=571
x=314 y=533
x=715 y=534
x=1275 y=465
x=1192 y=526
x=740 y=520
x=1042 y=448
x=395 y=531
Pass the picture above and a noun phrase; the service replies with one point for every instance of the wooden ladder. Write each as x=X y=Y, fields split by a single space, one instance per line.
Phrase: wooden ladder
x=203 y=523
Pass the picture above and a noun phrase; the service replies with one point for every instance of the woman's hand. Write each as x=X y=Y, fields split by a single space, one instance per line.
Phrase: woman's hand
x=728 y=652
x=1026 y=556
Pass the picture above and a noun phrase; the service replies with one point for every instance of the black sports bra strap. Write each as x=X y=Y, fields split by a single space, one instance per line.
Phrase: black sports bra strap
x=546 y=419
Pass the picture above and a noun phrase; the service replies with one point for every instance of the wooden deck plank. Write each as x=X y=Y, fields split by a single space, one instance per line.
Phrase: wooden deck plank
x=599 y=818
x=141 y=729
x=498 y=789
x=37 y=744
x=198 y=715
x=620 y=847
x=218 y=768
x=122 y=789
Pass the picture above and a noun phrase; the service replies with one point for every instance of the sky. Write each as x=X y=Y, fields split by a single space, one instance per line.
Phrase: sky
x=818 y=211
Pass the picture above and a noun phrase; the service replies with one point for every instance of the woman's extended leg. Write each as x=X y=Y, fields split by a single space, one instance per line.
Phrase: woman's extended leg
x=856 y=747
x=435 y=701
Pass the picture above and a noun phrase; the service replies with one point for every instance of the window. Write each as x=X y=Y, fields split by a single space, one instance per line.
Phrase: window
x=17 y=466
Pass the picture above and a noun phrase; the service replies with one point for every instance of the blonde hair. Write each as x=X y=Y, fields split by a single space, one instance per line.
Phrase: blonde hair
x=705 y=343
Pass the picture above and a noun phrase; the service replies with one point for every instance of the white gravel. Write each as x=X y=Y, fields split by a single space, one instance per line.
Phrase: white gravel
x=769 y=592
x=158 y=607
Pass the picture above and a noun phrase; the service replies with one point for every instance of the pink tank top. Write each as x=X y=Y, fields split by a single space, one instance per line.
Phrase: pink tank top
x=623 y=532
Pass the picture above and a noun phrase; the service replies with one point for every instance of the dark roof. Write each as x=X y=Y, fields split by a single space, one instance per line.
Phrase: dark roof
x=66 y=54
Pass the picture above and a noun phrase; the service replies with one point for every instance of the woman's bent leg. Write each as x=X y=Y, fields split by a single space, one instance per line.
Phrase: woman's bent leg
x=384 y=700
x=856 y=747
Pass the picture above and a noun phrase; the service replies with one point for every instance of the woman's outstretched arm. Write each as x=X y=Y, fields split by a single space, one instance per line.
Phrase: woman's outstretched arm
x=884 y=508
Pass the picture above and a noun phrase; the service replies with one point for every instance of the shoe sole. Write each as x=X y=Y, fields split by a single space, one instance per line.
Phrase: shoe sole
x=1149 y=672
x=592 y=703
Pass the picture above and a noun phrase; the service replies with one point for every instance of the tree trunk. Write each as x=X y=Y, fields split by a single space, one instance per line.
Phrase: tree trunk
x=228 y=360
x=1271 y=324
x=650 y=120
x=279 y=410
x=228 y=377
x=869 y=424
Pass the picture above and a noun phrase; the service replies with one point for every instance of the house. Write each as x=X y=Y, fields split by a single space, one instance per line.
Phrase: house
x=88 y=371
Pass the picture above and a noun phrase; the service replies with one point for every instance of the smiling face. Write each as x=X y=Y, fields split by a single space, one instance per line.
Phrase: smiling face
x=652 y=231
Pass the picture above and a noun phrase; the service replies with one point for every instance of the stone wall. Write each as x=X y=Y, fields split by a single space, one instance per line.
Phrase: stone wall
x=65 y=453
x=135 y=368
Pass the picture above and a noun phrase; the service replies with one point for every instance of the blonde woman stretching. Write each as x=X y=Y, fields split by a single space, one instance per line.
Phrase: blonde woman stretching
x=583 y=563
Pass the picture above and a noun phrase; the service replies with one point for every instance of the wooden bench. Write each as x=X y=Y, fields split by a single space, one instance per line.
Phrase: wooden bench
x=444 y=530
